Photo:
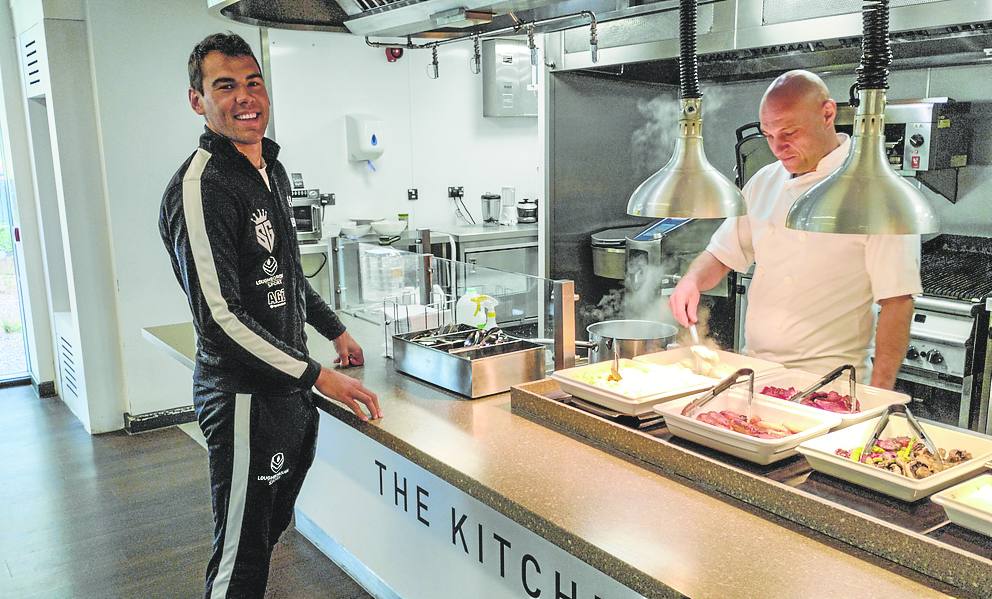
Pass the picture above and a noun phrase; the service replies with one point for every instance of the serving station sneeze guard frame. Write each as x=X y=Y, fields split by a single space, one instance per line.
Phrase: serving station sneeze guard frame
x=407 y=291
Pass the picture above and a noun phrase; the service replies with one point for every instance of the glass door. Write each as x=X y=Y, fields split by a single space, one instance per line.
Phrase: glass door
x=13 y=351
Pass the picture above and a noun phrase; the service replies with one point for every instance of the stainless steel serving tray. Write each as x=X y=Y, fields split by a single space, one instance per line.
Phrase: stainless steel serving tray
x=472 y=372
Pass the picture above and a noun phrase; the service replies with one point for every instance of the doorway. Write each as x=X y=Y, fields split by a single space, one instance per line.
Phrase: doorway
x=13 y=348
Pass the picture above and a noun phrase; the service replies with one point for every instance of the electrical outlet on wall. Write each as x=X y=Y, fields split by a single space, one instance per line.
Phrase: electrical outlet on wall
x=412 y=194
x=456 y=192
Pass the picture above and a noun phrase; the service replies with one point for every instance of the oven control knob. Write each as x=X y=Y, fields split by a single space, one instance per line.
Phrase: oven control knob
x=916 y=140
x=912 y=353
x=934 y=357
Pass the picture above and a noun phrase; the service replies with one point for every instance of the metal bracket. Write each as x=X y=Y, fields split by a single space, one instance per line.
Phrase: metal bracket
x=563 y=302
x=335 y=274
x=424 y=248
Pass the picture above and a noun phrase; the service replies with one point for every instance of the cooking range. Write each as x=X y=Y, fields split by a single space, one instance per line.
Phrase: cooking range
x=947 y=366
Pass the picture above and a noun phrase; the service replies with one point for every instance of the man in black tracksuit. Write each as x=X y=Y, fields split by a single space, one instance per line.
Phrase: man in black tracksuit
x=227 y=224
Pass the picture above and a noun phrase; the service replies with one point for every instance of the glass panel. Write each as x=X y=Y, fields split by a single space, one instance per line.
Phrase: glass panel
x=13 y=355
x=407 y=292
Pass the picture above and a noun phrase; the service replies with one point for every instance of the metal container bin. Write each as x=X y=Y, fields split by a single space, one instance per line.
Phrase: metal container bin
x=471 y=372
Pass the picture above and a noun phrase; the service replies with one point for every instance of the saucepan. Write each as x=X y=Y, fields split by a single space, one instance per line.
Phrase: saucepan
x=630 y=337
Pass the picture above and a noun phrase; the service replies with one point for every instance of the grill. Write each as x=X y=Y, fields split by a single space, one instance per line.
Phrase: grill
x=948 y=365
x=957 y=267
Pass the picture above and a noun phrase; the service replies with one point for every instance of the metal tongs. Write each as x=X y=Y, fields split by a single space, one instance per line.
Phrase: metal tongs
x=913 y=424
x=722 y=386
x=829 y=378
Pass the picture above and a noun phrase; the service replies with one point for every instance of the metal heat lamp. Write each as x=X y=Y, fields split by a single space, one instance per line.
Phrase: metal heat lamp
x=865 y=196
x=688 y=186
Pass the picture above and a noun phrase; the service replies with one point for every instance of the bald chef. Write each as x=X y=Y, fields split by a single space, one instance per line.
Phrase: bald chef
x=810 y=302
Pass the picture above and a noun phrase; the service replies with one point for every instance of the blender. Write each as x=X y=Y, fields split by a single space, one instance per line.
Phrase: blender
x=490 y=209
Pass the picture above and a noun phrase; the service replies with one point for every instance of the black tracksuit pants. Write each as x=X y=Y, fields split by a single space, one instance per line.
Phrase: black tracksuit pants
x=260 y=448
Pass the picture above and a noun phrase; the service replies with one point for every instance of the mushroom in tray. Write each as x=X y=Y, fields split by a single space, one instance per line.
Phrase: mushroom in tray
x=905 y=456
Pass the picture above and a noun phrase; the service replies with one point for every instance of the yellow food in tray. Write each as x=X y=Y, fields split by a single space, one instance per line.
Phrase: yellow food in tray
x=639 y=379
x=979 y=498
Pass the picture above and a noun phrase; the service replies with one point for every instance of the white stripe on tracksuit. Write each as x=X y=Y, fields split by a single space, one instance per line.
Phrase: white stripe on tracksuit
x=236 y=497
x=206 y=271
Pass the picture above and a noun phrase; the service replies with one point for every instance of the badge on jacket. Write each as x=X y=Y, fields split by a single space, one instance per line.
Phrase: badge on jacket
x=264 y=233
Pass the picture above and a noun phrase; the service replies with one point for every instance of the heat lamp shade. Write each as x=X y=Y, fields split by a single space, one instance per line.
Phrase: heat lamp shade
x=687 y=187
x=864 y=196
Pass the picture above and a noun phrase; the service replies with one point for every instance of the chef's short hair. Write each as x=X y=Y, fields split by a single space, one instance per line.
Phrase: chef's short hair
x=228 y=44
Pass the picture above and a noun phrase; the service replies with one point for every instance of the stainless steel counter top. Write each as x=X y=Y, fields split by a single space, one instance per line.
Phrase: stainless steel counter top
x=468 y=233
x=654 y=534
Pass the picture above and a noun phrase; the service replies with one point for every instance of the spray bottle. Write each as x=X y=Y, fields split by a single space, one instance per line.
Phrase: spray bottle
x=471 y=309
x=489 y=305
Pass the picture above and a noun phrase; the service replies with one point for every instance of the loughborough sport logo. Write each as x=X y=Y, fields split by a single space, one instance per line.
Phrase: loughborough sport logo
x=270 y=266
x=276 y=464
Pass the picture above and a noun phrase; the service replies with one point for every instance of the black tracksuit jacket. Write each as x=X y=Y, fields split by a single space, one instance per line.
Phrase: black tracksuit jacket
x=233 y=247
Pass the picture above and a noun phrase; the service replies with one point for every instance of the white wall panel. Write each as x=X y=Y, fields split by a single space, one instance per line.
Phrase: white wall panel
x=435 y=137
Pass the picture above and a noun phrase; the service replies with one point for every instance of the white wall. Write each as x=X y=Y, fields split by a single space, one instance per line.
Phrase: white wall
x=26 y=13
x=139 y=52
x=435 y=136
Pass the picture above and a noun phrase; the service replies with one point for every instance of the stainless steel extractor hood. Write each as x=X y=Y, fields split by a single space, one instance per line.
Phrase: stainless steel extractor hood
x=968 y=44
x=421 y=18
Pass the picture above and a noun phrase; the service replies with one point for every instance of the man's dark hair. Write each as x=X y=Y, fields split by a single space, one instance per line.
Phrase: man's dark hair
x=228 y=44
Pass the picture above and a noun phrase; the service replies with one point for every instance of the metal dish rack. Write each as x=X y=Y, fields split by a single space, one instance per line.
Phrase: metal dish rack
x=401 y=316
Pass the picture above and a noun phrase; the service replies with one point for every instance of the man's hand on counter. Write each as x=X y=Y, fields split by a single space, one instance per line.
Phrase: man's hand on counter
x=349 y=352
x=341 y=387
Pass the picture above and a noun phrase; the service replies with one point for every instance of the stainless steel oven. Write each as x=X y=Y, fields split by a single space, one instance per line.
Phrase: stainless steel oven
x=928 y=139
x=307 y=216
x=947 y=367
x=921 y=135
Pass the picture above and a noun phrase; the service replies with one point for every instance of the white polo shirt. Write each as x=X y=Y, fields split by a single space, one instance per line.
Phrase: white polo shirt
x=810 y=302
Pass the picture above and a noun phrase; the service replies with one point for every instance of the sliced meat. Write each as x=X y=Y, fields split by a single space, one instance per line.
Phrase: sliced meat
x=889 y=444
x=778 y=392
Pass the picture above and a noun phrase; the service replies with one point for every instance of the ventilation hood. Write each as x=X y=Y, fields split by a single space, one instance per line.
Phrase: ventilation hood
x=420 y=18
x=934 y=47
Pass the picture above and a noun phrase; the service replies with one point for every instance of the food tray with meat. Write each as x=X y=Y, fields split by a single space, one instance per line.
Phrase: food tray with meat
x=715 y=363
x=822 y=455
x=869 y=401
x=641 y=385
x=772 y=434
x=969 y=504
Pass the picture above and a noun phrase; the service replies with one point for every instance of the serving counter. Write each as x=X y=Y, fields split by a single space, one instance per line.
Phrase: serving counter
x=448 y=497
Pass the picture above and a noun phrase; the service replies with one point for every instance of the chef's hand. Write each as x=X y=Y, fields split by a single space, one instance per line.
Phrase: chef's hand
x=341 y=387
x=684 y=301
x=349 y=352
